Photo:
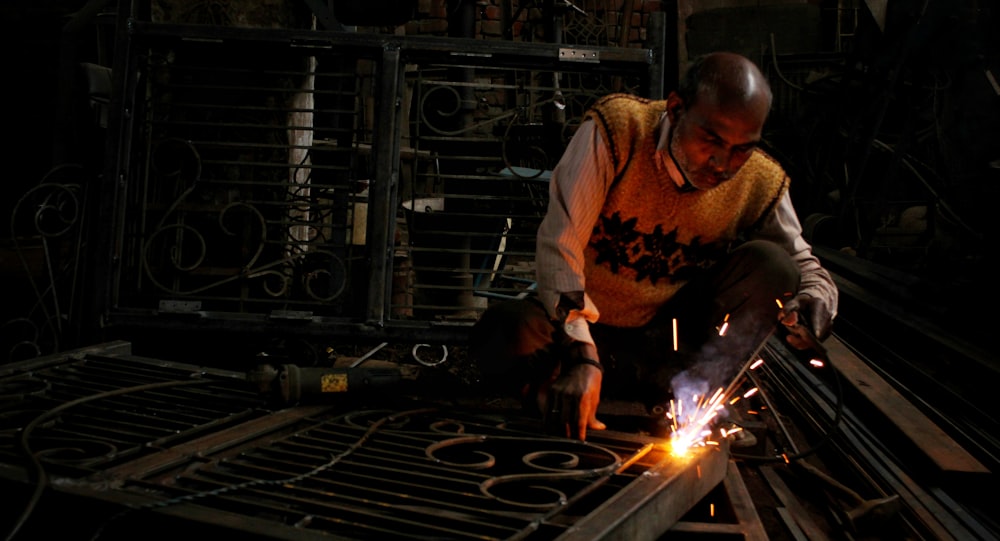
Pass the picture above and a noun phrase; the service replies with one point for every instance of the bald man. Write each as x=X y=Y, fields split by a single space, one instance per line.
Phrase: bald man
x=669 y=252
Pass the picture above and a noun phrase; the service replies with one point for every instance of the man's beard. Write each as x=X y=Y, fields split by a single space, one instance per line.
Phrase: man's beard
x=681 y=160
x=693 y=178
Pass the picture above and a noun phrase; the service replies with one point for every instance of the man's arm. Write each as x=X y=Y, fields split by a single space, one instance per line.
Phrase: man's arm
x=577 y=190
x=817 y=296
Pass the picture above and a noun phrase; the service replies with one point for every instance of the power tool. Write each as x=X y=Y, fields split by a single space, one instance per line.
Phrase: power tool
x=290 y=384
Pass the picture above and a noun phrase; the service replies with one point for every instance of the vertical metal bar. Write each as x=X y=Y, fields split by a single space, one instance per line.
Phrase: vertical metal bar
x=110 y=189
x=383 y=197
x=662 y=57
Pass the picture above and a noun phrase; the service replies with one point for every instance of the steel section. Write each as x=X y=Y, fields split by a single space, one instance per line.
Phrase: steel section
x=674 y=487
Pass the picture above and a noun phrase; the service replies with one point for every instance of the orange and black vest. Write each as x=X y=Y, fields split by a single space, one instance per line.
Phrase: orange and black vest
x=652 y=237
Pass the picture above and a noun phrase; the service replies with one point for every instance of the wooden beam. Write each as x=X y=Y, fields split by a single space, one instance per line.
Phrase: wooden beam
x=794 y=507
x=932 y=441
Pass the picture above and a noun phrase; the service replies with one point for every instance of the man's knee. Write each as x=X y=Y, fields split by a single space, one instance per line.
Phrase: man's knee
x=766 y=261
x=508 y=331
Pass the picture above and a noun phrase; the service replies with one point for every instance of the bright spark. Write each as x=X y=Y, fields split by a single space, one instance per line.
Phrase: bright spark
x=689 y=429
x=725 y=325
x=675 y=334
x=816 y=362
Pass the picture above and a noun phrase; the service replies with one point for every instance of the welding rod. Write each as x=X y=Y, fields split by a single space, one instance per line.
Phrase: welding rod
x=746 y=365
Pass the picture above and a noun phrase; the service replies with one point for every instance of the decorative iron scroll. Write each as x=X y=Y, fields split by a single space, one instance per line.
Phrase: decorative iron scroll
x=424 y=472
x=46 y=231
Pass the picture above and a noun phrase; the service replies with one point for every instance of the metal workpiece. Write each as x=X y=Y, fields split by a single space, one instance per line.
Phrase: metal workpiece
x=135 y=441
x=427 y=473
x=668 y=491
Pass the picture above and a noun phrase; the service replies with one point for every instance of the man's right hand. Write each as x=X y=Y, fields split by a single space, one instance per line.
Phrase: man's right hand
x=571 y=405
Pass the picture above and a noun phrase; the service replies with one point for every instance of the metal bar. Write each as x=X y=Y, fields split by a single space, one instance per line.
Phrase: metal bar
x=652 y=504
x=180 y=454
x=855 y=441
x=437 y=49
x=383 y=193
x=657 y=37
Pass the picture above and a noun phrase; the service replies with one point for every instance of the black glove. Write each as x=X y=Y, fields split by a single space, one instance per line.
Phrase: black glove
x=812 y=312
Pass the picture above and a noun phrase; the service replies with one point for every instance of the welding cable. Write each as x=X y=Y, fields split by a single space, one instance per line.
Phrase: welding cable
x=375 y=426
x=828 y=434
x=41 y=475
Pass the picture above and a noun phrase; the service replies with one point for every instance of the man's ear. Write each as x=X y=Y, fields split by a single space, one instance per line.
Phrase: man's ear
x=675 y=106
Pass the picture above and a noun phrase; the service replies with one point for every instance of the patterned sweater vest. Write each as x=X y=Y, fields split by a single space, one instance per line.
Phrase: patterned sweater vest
x=650 y=237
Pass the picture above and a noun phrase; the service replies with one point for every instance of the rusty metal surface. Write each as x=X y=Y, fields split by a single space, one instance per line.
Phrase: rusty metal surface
x=207 y=456
x=427 y=474
x=90 y=409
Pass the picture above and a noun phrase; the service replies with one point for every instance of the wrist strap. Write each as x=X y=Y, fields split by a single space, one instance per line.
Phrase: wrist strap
x=591 y=362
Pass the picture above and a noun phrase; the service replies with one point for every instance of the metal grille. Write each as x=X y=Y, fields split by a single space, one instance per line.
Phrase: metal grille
x=339 y=179
x=415 y=474
x=253 y=192
x=485 y=141
x=87 y=411
x=135 y=440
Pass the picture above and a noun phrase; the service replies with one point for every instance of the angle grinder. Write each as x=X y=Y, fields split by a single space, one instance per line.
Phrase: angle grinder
x=291 y=384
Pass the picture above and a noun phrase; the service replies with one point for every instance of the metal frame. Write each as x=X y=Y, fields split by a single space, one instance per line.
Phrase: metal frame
x=114 y=299
x=121 y=443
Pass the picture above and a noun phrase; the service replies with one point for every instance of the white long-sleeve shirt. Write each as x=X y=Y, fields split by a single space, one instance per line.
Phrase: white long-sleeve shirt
x=578 y=187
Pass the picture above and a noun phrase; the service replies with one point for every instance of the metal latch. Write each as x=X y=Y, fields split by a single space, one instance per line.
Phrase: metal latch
x=297 y=315
x=579 y=55
x=179 y=307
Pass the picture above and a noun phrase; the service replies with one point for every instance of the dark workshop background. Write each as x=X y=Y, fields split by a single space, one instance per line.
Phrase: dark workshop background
x=886 y=116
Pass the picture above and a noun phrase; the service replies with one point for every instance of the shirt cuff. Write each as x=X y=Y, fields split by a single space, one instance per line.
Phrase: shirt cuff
x=577 y=327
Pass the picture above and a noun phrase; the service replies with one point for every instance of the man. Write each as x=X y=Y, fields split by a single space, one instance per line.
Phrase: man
x=669 y=252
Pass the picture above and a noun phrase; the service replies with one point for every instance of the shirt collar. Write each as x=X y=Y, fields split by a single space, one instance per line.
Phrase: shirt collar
x=667 y=159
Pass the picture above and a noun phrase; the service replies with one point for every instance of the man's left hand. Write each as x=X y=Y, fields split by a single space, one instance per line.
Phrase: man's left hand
x=573 y=400
x=817 y=318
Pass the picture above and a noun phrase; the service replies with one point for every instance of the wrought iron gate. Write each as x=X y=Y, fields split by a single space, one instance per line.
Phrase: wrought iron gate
x=336 y=183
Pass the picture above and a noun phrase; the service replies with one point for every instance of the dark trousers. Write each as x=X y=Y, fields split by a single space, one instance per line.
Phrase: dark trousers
x=723 y=317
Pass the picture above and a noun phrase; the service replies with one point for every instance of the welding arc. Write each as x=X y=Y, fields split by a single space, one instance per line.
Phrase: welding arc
x=42 y=476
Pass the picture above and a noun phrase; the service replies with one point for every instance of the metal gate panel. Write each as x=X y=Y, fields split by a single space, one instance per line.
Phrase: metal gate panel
x=172 y=444
x=334 y=182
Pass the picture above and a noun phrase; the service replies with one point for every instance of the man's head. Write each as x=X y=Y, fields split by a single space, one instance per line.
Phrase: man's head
x=717 y=115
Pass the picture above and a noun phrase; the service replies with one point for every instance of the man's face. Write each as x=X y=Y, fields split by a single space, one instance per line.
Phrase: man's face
x=710 y=143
